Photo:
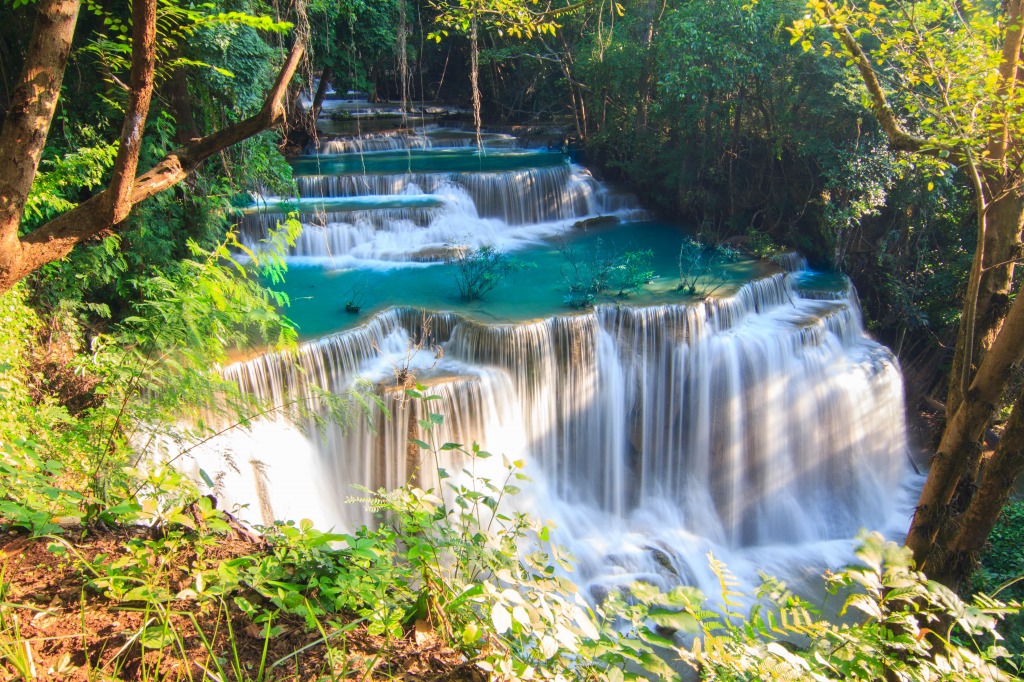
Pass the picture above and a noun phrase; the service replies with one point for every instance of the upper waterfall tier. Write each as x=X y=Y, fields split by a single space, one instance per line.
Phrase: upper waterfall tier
x=414 y=216
x=467 y=160
x=517 y=197
x=421 y=191
x=427 y=138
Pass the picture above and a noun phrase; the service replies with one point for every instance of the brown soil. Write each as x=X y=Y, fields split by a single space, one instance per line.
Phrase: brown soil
x=52 y=373
x=73 y=633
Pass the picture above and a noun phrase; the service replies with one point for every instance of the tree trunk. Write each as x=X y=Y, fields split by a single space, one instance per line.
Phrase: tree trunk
x=647 y=77
x=474 y=76
x=139 y=96
x=181 y=106
x=403 y=57
x=1001 y=246
x=321 y=92
x=55 y=239
x=998 y=473
x=28 y=121
x=959 y=449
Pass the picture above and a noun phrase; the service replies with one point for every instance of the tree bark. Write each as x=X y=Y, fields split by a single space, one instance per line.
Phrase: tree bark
x=474 y=77
x=998 y=474
x=27 y=123
x=403 y=55
x=181 y=106
x=321 y=92
x=139 y=96
x=57 y=238
x=959 y=449
x=1001 y=246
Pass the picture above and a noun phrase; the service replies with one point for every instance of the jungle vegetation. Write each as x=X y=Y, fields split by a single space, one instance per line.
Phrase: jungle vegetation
x=882 y=139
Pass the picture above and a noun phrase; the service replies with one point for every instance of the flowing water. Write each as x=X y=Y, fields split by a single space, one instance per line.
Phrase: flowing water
x=507 y=197
x=762 y=423
x=422 y=138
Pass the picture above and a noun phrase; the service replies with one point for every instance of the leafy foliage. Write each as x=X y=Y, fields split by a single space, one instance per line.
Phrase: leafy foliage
x=1001 y=570
x=585 y=275
x=907 y=627
x=944 y=55
x=703 y=268
x=515 y=17
x=151 y=370
x=479 y=270
x=632 y=271
x=177 y=24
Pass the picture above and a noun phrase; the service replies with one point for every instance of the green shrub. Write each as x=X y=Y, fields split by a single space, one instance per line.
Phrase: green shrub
x=478 y=271
x=702 y=268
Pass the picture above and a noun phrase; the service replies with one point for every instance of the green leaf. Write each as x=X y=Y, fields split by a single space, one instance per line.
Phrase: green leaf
x=156 y=637
x=471 y=633
x=677 y=620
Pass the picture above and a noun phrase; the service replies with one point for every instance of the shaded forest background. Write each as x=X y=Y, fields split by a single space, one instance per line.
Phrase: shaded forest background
x=705 y=109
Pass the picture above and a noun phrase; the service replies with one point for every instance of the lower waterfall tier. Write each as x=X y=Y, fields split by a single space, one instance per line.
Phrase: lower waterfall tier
x=766 y=419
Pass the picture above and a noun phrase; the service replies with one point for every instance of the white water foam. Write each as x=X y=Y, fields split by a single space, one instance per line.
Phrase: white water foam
x=765 y=427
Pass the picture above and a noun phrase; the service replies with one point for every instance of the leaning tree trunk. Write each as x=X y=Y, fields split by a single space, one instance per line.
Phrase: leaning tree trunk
x=27 y=123
x=1000 y=247
x=997 y=474
x=964 y=493
x=937 y=518
x=25 y=129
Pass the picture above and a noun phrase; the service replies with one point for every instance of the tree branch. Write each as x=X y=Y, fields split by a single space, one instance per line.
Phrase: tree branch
x=899 y=138
x=57 y=238
x=140 y=94
x=1008 y=74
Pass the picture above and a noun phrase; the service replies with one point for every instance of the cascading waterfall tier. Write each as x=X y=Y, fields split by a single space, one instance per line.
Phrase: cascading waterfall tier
x=764 y=420
x=765 y=426
x=519 y=197
x=425 y=138
x=427 y=198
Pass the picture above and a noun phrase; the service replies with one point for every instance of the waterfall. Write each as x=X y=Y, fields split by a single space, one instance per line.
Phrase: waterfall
x=765 y=426
x=533 y=195
x=402 y=196
x=434 y=138
x=508 y=208
x=761 y=420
